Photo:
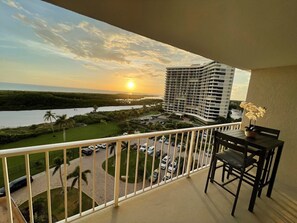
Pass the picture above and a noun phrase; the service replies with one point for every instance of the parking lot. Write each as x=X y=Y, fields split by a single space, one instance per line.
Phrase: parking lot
x=104 y=183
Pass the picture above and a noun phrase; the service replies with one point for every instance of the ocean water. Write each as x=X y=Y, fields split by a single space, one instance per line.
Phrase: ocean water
x=31 y=87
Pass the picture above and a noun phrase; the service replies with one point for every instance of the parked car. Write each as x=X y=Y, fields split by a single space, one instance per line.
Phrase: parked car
x=181 y=146
x=167 y=176
x=154 y=176
x=16 y=185
x=163 y=155
x=94 y=148
x=150 y=150
x=87 y=151
x=162 y=139
x=102 y=146
x=143 y=147
x=134 y=146
x=165 y=161
x=172 y=166
x=158 y=153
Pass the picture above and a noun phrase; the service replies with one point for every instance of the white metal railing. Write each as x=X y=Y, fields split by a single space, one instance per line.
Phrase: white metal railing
x=187 y=151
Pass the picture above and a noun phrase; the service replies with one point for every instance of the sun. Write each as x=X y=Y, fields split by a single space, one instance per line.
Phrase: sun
x=130 y=85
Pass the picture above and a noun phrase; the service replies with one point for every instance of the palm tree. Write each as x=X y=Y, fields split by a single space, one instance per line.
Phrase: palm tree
x=64 y=122
x=112 y=147
x=95 y=107
x=76 y=176
x=58 y=162
x=48 y=117
x=125 y=145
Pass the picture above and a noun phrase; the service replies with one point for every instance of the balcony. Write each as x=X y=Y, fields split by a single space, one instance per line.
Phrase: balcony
x=185 y=201
x=131 y=162
x=145 y=198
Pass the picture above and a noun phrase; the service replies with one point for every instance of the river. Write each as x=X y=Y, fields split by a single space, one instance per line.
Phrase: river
x=12 y=119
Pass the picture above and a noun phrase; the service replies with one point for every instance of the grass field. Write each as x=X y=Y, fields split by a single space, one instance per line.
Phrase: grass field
x=40 y=205
x=17 y=164
x=132 y=165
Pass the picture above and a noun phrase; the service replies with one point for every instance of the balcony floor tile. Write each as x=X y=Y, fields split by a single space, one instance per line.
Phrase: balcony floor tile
x=185 y=201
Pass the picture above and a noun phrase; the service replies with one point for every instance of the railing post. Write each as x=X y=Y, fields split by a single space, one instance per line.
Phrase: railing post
x=117 y=174
x=47 y=173
x=30 y=202
x=190 y=153
x=7 y=190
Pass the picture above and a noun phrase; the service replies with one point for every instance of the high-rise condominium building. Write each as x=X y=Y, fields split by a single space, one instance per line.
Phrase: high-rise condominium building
x=199 y=90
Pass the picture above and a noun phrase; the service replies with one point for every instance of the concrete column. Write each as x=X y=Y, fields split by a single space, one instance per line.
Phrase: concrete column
x=276 y=89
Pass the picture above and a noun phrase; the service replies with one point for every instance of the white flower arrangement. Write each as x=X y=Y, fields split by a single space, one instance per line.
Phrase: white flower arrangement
x=252 y=112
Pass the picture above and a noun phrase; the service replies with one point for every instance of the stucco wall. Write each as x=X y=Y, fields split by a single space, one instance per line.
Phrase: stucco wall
x=276 y=89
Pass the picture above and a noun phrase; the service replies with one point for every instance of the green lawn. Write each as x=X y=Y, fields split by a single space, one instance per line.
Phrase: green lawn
x=17 y=164
x=57 y=201
x=132 y=165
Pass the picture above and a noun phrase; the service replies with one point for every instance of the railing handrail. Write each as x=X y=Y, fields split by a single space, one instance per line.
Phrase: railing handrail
x=195 y=136
x=67 y=145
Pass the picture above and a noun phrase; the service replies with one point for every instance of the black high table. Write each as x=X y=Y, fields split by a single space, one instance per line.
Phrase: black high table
x=263 y=144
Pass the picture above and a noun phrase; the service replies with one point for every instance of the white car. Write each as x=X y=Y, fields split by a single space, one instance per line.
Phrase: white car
x=150 y=150
x=167 y=176
x=162 y=139
x=143 y=147
x=165 y=161
x=172 y=167
x=102 y=146
x=154 y=176
x=94 y=148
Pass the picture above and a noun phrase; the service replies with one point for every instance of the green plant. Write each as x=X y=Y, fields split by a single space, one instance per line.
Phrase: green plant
x=75 y=174
x=63 y=122
x=58 y=162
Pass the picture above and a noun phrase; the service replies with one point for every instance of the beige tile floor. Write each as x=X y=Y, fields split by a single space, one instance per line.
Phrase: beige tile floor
x=17 y=216
x=185 y=201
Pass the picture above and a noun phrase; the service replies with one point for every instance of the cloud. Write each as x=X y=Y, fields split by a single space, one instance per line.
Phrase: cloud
x=102 y=48
x=91 y=66
x=13 y=4
x=90 y=45
x=94 y=43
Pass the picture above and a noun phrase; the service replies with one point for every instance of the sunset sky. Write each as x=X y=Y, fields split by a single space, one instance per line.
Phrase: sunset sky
x=42 y=44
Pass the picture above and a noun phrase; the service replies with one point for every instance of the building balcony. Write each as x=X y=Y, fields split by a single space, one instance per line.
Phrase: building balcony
x=184 y=200
x=148 y=197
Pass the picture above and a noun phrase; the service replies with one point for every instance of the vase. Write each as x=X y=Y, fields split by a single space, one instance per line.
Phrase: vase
x=250 y=134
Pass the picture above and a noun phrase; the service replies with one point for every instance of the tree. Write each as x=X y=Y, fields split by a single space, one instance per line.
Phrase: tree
x=112 y=149
x=58 y=162
x=95 y=107
x=125 y=145
x=76 y=176
x=48 y=117
x=63 y=123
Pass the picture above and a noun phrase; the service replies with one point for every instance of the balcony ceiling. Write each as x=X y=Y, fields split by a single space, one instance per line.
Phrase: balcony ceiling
x=244 y=34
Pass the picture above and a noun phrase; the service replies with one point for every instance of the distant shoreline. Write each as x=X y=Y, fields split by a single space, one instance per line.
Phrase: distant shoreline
x=6 y=86
x=36 y=100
